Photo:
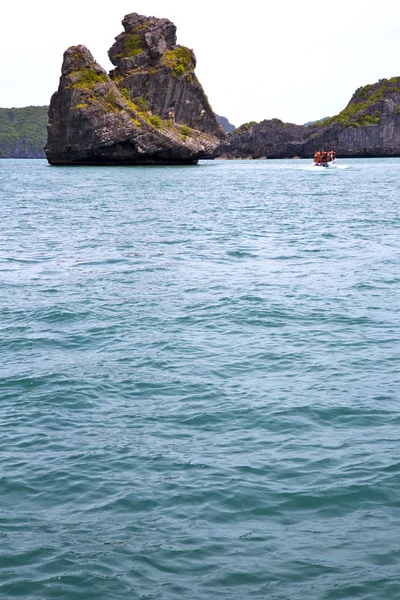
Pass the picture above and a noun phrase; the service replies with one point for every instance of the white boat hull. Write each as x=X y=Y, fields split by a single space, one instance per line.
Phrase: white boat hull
x=326 y=165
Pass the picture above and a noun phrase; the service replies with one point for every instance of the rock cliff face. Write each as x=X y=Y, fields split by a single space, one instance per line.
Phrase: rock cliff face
x=268 y=139
x=151 y=109
x=369 y=126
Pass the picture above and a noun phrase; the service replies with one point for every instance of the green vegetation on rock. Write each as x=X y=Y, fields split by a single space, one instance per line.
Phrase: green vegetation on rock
x=142 y=104
x=80 y=106
x=185 y=131
x=180 y=61
x=110 y=100
x=132 y=45
x=142 y=25
x=125 y=92
x=360 y=111
x=87 y=79
x=354 y=115
x=23 y=131
x=155 y=121
x=245 y=127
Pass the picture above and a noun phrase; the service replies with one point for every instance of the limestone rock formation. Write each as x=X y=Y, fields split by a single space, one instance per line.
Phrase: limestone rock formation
x=268 y=139
x=151 y=109
x=369 y=126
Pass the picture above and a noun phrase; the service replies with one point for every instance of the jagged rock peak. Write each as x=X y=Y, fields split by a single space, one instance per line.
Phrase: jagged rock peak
x=145 y=39
x=77 y=58
x=159 y=34
x=157 y=73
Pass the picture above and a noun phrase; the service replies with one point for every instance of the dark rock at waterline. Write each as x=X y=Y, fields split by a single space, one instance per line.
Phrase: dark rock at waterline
x=268 y=139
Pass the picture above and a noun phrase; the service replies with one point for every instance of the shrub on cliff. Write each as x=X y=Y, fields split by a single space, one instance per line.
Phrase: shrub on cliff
x=133 y=44
x=180 y=61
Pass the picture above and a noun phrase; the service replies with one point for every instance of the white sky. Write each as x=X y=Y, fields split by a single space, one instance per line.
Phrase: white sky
x=292 y=59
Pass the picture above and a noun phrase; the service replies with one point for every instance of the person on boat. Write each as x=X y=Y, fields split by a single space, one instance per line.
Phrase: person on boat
x=317 y=157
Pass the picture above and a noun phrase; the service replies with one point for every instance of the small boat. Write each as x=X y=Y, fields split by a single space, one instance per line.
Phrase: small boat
x=325 y=159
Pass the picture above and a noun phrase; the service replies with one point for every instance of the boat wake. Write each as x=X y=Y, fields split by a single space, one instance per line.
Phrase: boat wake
x=332 y=169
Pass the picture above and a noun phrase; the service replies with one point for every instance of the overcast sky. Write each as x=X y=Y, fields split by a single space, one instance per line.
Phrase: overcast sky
x=295 y=60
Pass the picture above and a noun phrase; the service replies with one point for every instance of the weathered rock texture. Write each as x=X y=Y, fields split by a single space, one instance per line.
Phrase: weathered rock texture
x=268 y=139
x=151 y=109
x=369 y=126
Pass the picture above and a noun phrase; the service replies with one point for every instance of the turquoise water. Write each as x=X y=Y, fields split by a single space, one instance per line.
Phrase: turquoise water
x=199 y=381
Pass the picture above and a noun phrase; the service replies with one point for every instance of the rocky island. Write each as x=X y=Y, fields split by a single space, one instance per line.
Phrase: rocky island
x=369 y=126
x=151 y=109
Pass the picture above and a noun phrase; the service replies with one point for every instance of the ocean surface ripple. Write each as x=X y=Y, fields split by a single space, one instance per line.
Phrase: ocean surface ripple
x=199 y=381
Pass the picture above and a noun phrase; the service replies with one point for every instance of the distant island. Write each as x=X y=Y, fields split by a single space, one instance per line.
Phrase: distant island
x=225 y=124
x=151 y=109
x=23 y=132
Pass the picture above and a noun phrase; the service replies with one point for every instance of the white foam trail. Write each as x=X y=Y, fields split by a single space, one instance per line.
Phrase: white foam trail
x=322 y=169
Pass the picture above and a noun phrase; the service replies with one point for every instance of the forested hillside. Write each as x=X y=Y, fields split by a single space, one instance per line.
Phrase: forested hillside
x=23 y=132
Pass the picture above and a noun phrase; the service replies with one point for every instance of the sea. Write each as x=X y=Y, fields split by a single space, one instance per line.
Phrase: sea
x=200 y=381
